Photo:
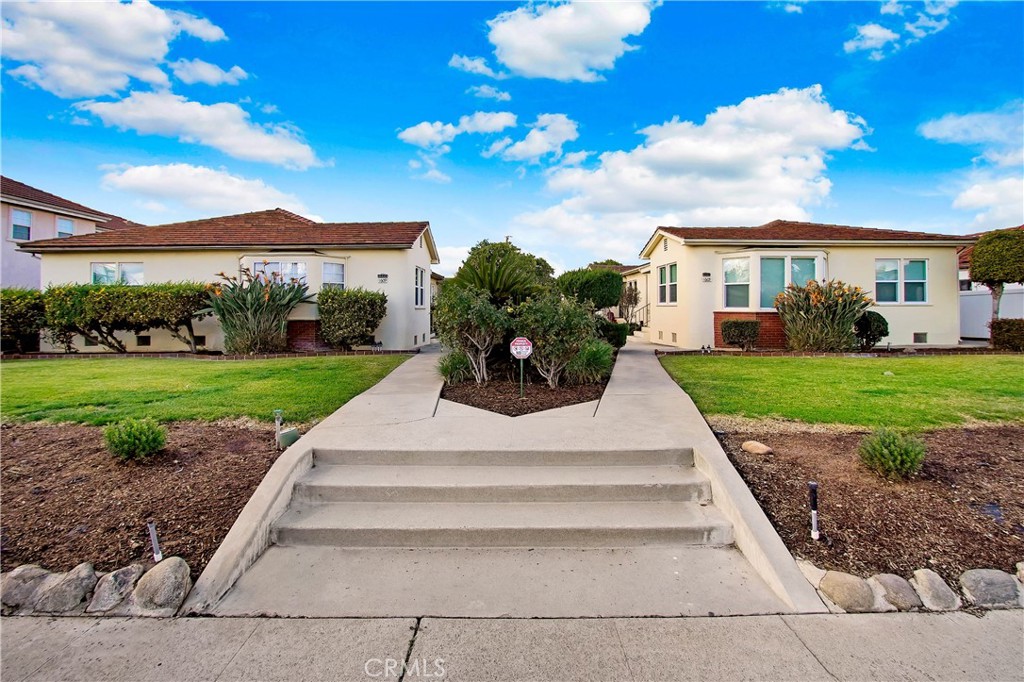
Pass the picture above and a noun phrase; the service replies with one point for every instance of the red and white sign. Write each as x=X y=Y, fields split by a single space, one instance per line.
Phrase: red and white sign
x=521 y=347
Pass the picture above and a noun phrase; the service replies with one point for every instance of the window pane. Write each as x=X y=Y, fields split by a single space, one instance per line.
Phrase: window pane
x=802 y=270
x=131 y=273
x=104 y=273
x=334 y=274
x=672 y=273
x=267 y=268
x=887 y=270
x=913 y=292
x=914 y=269
x=661 y=275
x=21 y=217
x=20 y=232
x=773 y=280
x=885 y=292
x=737 y=270
x=672 y=293
x=65 y=227
x=292 y=271
x=662 y=292
x=737 y=295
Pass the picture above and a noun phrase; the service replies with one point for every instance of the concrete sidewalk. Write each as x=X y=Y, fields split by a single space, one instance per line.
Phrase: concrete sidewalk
x=905 y=646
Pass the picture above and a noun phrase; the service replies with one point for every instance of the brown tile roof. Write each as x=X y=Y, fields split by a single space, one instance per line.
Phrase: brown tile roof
x=791 y=230
x=965 y=255
x=19 y=190
x=119 y=223
x=273 y=228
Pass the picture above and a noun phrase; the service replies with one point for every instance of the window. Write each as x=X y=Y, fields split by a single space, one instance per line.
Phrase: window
x=965 y=285
x=65 y=227
x=737 y=282
x=901 y=281
x=21 y=225
x=334 y=275
x=143 y=340
x=114 y=273
x=420 y=278
x=668 y=287
x=200 y=340
x=285 y=271
x=777 y=272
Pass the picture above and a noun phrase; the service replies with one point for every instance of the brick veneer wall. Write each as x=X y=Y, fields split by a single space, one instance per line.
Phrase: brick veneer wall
x=305 y=335
x=771 y=333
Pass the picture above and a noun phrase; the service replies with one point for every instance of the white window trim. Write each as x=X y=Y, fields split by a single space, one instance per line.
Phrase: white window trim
x=818 y=267
x=419 y=289
x=323 y=275
x=63 y=235
x=755 y=256
x=900 y=281
x=118 y=267
x=31 y=219
x=668 y=282
x=749 y=284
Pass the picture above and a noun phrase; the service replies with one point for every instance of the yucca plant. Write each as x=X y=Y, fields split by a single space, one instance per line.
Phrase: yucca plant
x=821 y=316
x=253 y=310
x=505 y=281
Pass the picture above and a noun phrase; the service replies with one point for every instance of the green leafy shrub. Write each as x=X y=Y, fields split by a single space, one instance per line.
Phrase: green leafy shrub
x=558 y=327
x=612 y=332
x=134 y=438
x=1007 y=334
x=592 y=364
x=819 y=317
x=350 y=316
x=467 y=321
x=22 y=316
x=997 y=260
x=601 y=287
x=892 y=454
x=66 y=316
x=870 y=328
x=742 y=333
x=506 y=273
x=253 y=310
x=174 y=306
x=454 y=367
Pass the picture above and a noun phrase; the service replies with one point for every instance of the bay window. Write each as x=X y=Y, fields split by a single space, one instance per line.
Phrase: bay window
x=778 y=272
x=283 y=270
x=117 y=273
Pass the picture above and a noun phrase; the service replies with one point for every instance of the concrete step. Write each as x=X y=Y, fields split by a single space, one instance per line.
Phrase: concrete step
x=412 y=483
x=649 y=457
x=536 y=524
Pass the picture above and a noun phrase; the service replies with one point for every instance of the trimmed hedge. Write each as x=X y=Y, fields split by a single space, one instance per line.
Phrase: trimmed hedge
x=22 y=316
x=742 y=333
x=601 y=287
x=613 y=332
x=349 y=317
x=1008 y=334
x=870 y=328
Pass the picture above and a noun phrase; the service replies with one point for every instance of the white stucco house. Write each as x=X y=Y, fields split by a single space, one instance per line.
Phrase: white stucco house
x=393 y=258
x=697 y=277
x=976 y=299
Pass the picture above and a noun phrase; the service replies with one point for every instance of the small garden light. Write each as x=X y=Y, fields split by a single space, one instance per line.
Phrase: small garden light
x=157 y=554
x=815 y=535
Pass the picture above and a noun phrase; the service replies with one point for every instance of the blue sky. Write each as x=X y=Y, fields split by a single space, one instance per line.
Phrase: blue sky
x=575 y=128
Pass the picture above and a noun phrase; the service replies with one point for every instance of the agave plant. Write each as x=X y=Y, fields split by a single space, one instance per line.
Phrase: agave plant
x=253 y=310
x=504 y=280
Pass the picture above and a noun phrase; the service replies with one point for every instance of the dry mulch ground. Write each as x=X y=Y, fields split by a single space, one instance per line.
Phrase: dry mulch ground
x=964 y=510
x=67 y=500
x=503 y=396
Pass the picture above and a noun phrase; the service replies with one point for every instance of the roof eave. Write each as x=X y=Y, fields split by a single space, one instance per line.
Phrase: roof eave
x=35 y=247
x=828 y=242
x=53 y=208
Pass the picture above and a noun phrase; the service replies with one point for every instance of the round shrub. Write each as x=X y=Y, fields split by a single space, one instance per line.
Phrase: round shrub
x=603 y=288
x=454 y=367
x=870 y=328
x=742 y=333
x=592 y=364
x=349 y=317
x=612 y=332
x=892 y=454
x=134 y=438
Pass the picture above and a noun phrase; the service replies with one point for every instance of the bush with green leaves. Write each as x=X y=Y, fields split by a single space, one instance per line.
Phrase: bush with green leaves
x=997 y=260
x=174 y=307
x=558 y=327
x=870 y=328
x=466 y=320
x=612 y=332
x=504 y=271
x=592 y=364
x=1007 y=334
x=134 y=438
x=454 y=367
x=742 y=333
x=253 y=310
x=22 y=316
x=349 y=317
x=819 y=317
x=892 y=454
x=601 y=287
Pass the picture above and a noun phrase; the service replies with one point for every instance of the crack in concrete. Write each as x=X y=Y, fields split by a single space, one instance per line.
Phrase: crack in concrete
x=814 y=655
x=408 y=653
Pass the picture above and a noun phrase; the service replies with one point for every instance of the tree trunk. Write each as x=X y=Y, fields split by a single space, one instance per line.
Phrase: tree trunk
x=997 y=294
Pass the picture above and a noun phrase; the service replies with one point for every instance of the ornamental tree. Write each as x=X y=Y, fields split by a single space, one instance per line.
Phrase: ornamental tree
x=467 y=321
x=997 y=260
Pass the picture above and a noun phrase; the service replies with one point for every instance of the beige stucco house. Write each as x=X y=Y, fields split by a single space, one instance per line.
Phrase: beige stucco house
x=31 y=214
x=699 y=276
x=393 y=258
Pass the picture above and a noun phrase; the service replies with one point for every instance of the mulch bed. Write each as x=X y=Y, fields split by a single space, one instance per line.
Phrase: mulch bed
x=67 y=500
x=964 y=510
x=502 y=396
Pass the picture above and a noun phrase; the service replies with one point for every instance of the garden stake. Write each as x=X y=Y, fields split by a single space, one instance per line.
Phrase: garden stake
x=520 y=378
x=278 y=418
x=815 y=535
x=157 y=554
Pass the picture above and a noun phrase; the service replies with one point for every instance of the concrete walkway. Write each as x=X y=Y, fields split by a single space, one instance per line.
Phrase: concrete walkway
x=905 y=646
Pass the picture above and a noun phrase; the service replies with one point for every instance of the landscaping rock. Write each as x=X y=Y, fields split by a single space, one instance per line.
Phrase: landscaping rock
x=881 y=604
x=756 y=448
x=811 y=572
x=934 y=593
x=989 y=588
x=898 y=591
x=1020 y=571
x=849 y=592
x=19 y=586
x=162 y=590
x=888 y=374
x=113 y=588
x=62 y=593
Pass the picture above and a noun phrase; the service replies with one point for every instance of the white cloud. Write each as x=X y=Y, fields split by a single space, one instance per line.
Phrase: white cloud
x=572 y=41
x=269 y=108
x=88 y=49
x=477 y=65
x=1002 y=127
x=496 y=147
x=924 y=26
x=427 y=134
x=451 y=258
x=873 y=37
x=204 y=189
x=547 y=136
x=998 y=200
x=431 y=173
x=224 y=126
x=893 y=7
x=748 y=163
x=489 y=92
x=879 y=40
x=197 y=71
x=436 y=135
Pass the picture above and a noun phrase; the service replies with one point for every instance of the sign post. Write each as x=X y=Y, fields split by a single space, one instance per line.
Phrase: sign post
x=521 y=348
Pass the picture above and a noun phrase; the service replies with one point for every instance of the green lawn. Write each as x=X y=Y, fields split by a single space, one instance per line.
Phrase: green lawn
x=924 y=392
x=101 y=391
